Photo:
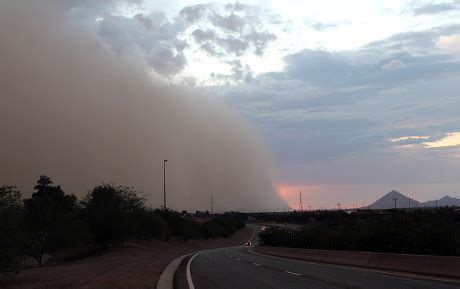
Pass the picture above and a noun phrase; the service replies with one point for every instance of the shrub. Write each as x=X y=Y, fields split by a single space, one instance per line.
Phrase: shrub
x=11 y=233
x=110 y=213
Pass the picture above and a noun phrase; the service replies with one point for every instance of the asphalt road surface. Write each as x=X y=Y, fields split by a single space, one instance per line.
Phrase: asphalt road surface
x=238 y=268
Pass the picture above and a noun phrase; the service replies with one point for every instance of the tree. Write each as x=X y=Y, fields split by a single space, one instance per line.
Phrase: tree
x=50 y=220
x=110 y=212
x=150 y=225
x=11 y=257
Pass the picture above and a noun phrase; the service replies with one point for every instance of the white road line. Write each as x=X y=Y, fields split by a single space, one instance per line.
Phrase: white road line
x=293 y=273
x=367 y=270
x=238 y=259
x=189 y=275
x=257 y=264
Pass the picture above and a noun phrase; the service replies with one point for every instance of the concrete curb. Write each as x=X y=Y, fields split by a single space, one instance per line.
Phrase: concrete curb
x=166 y=280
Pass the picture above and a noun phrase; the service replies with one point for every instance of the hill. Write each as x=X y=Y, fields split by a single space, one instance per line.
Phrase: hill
x=388 y=201
x=444 y=201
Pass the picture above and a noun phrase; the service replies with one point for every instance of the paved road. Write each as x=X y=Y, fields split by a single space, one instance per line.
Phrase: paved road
x=236 y=268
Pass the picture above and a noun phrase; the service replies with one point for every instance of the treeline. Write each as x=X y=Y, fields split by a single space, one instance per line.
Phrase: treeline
x=108 y=214
x=430 y=232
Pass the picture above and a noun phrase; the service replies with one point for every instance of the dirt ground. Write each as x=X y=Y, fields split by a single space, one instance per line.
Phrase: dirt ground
x=125 y=266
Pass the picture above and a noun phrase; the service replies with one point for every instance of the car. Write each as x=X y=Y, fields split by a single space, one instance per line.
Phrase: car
x=248 y=243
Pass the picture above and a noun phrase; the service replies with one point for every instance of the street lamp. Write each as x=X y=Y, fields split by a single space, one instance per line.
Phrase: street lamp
x=338 y=205
x=409 y=201
x=164 y=184
x=395 y=199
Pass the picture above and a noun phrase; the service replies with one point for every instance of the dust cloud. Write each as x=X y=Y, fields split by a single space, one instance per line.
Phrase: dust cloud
x=75 y=112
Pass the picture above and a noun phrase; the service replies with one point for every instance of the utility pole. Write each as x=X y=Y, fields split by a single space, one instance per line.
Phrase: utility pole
x=212 y=204
x=300 y=197
x=164 y=184
x=409 y=201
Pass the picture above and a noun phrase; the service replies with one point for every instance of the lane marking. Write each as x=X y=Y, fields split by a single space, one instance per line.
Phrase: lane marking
x=366 y=270
x=257 y=264
x=293 y=273
x=238 y=259
x=189 y=274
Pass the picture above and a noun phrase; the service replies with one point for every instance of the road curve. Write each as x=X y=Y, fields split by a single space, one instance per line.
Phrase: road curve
x=237 y=268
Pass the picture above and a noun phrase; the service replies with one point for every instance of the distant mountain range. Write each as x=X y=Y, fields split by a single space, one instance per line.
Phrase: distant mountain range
x=389 y=200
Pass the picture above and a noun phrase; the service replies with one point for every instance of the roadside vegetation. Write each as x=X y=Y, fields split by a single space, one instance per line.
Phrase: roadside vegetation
x=427 y=231
x=51 y=220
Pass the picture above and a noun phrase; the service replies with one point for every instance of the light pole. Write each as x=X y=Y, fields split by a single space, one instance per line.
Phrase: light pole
x=164 y=184
x=409 y=201
x=338 y=205
x=395 y=199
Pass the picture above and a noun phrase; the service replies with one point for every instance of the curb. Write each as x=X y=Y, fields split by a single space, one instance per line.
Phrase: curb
x=166 y=280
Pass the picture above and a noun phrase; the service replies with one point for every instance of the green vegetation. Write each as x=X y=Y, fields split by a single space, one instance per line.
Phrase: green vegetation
x=431 y=232
x=109 y=214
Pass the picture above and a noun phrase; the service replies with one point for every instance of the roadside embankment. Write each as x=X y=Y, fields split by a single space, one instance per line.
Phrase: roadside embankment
x=446 y=266
x=127 y=265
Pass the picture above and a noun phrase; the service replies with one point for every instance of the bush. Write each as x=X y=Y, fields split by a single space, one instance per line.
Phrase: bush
x=50 y=220
x=11 y=234
x=110 y=212
x=150 y=225
x=433 y=232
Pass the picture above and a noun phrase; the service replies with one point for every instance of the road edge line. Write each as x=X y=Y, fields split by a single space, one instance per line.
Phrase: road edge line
x=363 y=269
x=166 y=280
x=188 y=271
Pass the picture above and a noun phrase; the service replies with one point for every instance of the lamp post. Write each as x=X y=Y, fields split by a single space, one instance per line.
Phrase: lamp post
x=409 y=201
x=395 y=199
x=164 y=184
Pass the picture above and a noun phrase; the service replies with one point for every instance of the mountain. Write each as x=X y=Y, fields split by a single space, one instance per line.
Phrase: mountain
x=442 y=202
x=387 y=201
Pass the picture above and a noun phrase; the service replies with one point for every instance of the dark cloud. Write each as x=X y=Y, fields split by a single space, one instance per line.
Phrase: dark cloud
x=165 y=61
x=222 y=31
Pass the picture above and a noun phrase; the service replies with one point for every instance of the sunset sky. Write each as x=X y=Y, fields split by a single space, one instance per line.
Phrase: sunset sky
x=353 y=98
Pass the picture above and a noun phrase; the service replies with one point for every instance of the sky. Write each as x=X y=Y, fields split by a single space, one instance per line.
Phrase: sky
x=353 y=98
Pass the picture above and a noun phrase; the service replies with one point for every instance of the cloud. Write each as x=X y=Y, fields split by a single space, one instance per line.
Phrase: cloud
x=330 y=107
x=165 y=42
x=73 y=110
x=435 y=8
x=394 y=64
x=449 y=44
x=322 y=26
x=165 y=61
x=451 y=139
x=232 y=22
x=194 y=13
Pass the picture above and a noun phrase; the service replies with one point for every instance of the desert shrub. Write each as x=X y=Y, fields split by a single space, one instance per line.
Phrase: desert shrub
x=150 y=225
x=50 y=220
x=110 y=212
x=11 y=233
x=433 y=232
